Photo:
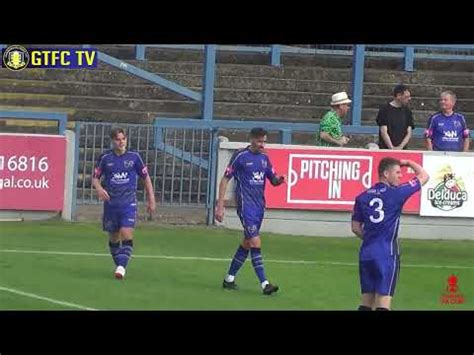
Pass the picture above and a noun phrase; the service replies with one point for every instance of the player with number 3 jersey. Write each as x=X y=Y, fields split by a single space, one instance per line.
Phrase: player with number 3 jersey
x=375 y=220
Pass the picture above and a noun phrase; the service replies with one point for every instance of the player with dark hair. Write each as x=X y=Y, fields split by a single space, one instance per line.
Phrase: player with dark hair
x=375 y=220
x=249 y=167
x=120 y=168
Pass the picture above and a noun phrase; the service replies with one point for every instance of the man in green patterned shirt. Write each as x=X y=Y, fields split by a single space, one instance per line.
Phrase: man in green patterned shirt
x=330 y=127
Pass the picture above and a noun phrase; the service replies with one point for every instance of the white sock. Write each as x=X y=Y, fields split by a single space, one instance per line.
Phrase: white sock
x=230 y=278
x=265 y=283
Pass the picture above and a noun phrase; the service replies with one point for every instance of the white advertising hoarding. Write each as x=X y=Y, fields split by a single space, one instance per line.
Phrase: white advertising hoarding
x=450 y=191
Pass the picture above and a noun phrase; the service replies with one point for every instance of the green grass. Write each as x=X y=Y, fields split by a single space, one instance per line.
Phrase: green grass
x=177 y=284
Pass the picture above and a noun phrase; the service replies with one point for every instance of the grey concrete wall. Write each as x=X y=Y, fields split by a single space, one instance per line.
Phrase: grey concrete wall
x=338 y=224
x=7 y=215
x=69 y=175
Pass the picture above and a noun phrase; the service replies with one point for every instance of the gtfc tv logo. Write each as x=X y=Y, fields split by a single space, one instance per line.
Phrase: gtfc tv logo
x=17 y=58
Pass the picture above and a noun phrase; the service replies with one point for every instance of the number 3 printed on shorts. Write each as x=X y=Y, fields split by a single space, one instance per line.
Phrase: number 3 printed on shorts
x=378 y=209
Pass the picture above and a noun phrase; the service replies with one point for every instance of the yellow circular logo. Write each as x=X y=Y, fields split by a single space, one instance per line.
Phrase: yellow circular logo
x=16 y=58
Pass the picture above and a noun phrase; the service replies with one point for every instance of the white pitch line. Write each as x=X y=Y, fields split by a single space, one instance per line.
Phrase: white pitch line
x=171 y=257
x=47 y=299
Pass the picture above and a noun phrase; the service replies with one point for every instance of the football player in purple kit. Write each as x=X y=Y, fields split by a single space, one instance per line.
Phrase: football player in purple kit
x=447 y=129
x=121 y=169
x=249 y=167
x=375 y=220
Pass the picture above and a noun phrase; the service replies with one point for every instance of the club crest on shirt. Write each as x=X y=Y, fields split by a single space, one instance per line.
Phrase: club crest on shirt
x=264 y=163
x=252 y=228
x=128 y=164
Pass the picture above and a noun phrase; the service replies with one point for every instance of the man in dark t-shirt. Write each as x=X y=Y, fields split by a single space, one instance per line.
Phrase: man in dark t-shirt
x=395 y=120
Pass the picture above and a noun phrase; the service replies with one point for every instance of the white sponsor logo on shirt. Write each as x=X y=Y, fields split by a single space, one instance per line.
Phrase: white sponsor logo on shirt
x=258 y=178
x=451 y=134
x=120 y=178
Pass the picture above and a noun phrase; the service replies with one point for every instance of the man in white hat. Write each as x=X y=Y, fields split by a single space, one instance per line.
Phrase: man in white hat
x=330 y=127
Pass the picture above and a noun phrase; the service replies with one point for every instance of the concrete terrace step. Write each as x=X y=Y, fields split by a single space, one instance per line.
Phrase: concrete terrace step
x=330 y=61
x=108 y=73
x=249 y=88
x=304 y=73
x=232 y=109
x=228 y=111
x=263 y=105
x=193 y=77
x=104 y=103
x=192 y=81
x=131 y=97
x=127 y=52
x=221 y=96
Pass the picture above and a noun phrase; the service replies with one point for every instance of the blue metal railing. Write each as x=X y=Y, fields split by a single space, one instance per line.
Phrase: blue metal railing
x=409 y=52
x=208 y=82
x=357 y=84
x=274 y=50
x=206 y=97
x=359 y=52
x=146 y=75
x=285 y=128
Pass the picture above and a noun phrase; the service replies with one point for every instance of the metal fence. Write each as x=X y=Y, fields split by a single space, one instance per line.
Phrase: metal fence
x=177 y=161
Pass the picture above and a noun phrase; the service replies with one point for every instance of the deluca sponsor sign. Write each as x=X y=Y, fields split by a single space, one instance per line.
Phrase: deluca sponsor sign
x=449 y=194
x=450 y=189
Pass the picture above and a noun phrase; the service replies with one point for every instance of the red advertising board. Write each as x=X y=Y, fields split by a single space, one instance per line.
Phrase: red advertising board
x=321 y=179
x=32 y=169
